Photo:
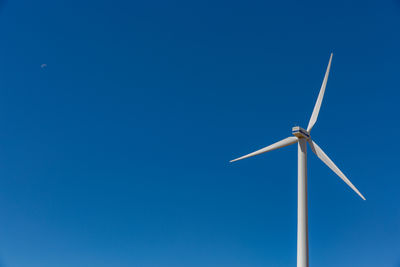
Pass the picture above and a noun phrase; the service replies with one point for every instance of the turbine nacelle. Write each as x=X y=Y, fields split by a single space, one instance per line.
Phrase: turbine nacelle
x=300 y=132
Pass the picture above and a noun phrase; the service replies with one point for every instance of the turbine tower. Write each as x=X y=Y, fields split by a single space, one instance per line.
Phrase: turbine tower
x=302 y=137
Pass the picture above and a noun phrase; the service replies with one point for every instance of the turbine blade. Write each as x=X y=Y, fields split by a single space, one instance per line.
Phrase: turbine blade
x=321 y=154
x=317 y=106
x=285 y=142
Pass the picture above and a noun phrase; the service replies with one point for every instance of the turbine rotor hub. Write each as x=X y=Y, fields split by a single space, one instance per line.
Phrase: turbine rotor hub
x=300 y=132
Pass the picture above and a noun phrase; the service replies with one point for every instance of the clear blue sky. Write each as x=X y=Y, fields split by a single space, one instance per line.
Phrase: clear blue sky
x=116 y=153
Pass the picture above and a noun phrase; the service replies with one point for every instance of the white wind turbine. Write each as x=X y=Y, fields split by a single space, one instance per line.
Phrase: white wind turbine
x=301 y=137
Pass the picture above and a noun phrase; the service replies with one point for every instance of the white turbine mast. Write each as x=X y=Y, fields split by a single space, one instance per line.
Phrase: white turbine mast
x=302 y=137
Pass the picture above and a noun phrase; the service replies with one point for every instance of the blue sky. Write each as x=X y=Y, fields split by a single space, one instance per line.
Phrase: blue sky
x=116 y=153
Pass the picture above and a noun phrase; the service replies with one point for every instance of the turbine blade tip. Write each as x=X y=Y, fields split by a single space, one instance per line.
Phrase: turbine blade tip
x=360 y=195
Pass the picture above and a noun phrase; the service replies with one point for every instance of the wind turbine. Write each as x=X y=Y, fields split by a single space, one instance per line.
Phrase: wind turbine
x=302 y=137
